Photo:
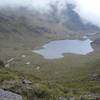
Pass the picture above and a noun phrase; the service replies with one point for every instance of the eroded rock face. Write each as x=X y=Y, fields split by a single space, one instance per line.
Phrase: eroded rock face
x=6 y=95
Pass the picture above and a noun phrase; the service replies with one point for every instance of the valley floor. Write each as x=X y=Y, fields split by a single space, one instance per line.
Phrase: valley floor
x=35 y=78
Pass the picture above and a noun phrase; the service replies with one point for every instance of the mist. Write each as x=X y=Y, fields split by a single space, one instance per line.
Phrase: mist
x=88 y=10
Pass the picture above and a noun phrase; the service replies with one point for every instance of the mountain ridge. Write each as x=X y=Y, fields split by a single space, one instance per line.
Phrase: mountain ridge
x=21 y=20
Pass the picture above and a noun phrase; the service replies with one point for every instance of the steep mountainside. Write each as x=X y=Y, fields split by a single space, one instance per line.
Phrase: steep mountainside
x=24 y=28
x=20 y=22
x=74 y=77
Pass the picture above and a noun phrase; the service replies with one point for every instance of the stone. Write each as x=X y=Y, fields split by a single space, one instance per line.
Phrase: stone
x=23 y=56
x=6 y=95
x=62 y=98
x=28 y=63
x=95 y=77
x=90 y=96
x=10 y=60
x=7 y=65
x=27 y=82
x=37 y=68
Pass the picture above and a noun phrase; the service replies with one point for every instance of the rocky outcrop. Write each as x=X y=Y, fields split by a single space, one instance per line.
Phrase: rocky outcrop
x=6 y=95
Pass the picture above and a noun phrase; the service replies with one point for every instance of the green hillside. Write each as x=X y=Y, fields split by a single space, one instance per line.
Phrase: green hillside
x=74 y=77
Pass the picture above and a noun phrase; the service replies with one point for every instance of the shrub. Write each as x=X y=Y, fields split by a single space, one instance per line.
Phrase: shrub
x=38 y=94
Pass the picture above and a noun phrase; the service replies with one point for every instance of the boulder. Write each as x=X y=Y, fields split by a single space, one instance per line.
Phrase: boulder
x=6 y=95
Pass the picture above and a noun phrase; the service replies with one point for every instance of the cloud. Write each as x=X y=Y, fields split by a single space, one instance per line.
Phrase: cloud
x=36 y=3
x=89 y=10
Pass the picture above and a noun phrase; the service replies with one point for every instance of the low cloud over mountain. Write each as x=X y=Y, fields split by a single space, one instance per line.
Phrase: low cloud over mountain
x=88 y=10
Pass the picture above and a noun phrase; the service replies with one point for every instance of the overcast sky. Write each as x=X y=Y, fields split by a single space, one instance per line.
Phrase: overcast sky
x=87 y=9
x=41 y=3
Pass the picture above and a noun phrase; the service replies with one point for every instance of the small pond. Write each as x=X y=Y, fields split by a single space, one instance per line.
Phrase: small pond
x=56 y=49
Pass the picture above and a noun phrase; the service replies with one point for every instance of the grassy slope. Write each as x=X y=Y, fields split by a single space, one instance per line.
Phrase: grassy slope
x=48 y=89
x=55 y=77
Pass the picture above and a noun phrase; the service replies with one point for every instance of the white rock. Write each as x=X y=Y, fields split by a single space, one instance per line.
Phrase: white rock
x=27 y=82
x=10 y=60
x=28 y=63
x=7 y=65
x=23 y=56
x=37 y=68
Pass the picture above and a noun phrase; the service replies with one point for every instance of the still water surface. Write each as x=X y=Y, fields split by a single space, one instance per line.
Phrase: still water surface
x=56 y=49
